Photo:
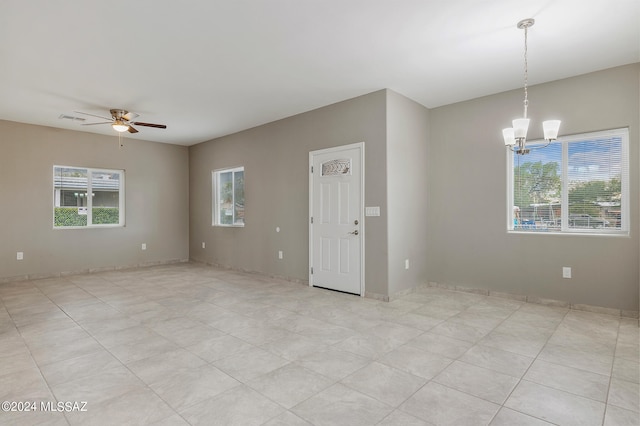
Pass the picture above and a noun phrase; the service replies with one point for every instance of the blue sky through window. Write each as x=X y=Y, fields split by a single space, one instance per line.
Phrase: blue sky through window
x=596 y=159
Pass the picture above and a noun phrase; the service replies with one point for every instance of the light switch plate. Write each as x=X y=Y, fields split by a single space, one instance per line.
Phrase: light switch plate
x=372 y=211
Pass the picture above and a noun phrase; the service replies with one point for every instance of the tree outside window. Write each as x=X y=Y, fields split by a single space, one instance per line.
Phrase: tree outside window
x=228 y=208
x=577 y=184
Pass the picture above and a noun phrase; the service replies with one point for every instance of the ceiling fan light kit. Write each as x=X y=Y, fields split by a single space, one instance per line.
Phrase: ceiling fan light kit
x=119 y=126
x=517 y=135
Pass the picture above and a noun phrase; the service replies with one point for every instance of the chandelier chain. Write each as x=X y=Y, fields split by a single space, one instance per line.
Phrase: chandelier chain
x=515 y=137
x=526 y=73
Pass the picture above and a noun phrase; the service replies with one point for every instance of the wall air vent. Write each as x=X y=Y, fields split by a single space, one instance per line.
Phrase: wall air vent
x=70 y=117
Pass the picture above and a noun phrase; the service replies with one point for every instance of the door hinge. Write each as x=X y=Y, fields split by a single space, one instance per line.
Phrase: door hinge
x=311 y=219
x=312 y=270
x=311 y=169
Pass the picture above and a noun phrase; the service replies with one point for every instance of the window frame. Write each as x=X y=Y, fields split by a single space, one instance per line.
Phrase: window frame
x=565 y=141
x=89 y=200
x=215 y=181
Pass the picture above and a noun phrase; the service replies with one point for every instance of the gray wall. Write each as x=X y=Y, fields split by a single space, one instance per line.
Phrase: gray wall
x=276 y=157
x=468 y=242
x=448 y=179
x=407 y=196
x=157 y=202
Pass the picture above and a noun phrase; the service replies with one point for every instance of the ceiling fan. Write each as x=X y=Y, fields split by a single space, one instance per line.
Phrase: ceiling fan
x=122 y=121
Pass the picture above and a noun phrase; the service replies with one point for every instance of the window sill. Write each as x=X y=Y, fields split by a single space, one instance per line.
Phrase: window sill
x=616 y=234
x=59 y=228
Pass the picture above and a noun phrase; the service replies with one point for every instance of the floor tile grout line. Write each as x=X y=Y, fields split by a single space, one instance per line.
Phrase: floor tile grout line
x=528 y=368
x=276 y=402
x=606 y=407
x=31 y=356
x=240 y=383
x=610 y=375
x=145 y=385
x=605 y=403
x=328 y=320
x=49 y=387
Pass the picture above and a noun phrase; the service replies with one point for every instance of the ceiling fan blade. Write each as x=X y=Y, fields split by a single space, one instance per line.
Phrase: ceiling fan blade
x=157 y=126
x=132 y=130
x=93 y=115
x=130 y=116
x=92 y=124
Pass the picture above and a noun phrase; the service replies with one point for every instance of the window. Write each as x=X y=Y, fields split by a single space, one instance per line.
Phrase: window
x=84 y=197
x=228 y=197
x=578 y=184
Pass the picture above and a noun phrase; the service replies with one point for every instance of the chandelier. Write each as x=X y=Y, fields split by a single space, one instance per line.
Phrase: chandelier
x=515 y=138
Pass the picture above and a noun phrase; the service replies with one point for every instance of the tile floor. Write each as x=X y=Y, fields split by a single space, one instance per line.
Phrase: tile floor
x=189 y=344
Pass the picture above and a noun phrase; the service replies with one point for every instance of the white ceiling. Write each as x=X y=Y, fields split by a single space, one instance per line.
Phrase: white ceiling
x=208 y=68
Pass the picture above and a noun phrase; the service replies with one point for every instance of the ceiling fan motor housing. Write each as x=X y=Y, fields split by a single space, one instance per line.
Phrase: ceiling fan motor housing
x=118 y=114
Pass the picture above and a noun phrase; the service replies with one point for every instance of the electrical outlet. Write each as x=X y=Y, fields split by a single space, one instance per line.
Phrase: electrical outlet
x=280 y=254
x=144 y=246
x=566 y=272
x=406 y=264
x=203 y=245
x=19 y=255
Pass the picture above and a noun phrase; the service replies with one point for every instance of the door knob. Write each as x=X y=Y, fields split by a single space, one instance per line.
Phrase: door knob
x=354 y=232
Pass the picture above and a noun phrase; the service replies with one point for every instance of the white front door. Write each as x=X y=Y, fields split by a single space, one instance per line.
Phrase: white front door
x=336 y=229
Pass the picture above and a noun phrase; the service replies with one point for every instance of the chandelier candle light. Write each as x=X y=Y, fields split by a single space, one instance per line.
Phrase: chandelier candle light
x=517 y=135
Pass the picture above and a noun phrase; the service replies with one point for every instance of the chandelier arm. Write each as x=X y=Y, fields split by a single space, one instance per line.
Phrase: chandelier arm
x=541 y=146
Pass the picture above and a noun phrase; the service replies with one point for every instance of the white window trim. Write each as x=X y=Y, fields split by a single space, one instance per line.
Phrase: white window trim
x=121 y=199
x=624 y=230
x=215 y=217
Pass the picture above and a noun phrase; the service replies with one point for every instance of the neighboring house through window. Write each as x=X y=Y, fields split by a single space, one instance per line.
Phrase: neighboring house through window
x=87 y=197
x=578 y=184
x=228 y=197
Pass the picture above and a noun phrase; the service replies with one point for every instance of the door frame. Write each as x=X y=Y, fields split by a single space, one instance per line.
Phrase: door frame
x=360 y=146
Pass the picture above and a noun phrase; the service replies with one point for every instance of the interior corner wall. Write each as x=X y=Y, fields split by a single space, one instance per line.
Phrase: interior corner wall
x=156 y=200
x=407 y=145
x=275 y=157
x=468 y=241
